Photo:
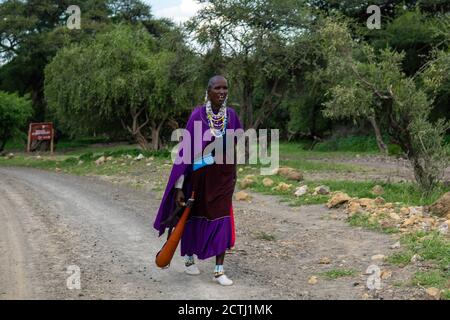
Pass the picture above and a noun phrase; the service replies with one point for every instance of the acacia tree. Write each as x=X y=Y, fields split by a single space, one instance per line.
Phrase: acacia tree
x=32 y=31
x=14 y=112
x=122 y=75
x=261 y=45
x=372 y=85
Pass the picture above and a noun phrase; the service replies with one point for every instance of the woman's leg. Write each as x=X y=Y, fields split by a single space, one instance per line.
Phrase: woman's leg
x=220 y=259
x=219 y=274
x=190 y=266
x=218 y=270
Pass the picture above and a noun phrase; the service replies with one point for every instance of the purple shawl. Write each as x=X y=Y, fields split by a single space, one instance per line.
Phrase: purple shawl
x=168 y=202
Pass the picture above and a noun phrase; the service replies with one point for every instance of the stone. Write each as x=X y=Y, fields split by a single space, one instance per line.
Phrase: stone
x=379 y=201
x=290 y=173
x=80 y=162
x=404 y=211
x=441 y=207
x=58 y=170
x=395 y=245
x=385 y=274
x=139 y=157
x=283 y=186
x=389 y=205
x=267 y=182
x=100 y=160
x=242 y=196
x=313 y=280
x=377 y=190
x=295 y=176
x=10 y=155
x=365 y=296
x=325 y=260
x=245 y=183
x=367 y=202
x=378 y=257
x=110 y=158
x=394 y=216
x=353 y=207
x=300 y=191
x=416 y=258
x=434 y=293
x=443 y=229
x=338 y=198
x=417 y=211
x=322 y=190
x=409 y=222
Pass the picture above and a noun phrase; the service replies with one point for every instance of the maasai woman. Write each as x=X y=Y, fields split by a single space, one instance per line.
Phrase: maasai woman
x=210 y=230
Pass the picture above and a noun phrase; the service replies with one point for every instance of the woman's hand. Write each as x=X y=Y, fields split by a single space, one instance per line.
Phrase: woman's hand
x=179 y=198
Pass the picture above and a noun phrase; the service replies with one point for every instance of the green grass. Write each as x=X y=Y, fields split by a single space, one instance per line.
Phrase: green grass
x=433 y=278
x=405 y=193
x=432 y=247
x=400 y=259
x=265 y=236
x=298 y=149
x=363 y=221
x=446 y=294
x=61 y=146
x=338 y=273
x=69 y=163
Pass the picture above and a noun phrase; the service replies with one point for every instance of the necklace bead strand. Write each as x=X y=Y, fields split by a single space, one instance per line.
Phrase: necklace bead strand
x=217 y=122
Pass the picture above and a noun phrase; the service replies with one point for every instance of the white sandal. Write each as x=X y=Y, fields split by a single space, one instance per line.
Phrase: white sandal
x=192 y=270
x=223 y=280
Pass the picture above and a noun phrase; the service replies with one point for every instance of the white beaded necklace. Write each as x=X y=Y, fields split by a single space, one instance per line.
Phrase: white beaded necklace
x=217 y=122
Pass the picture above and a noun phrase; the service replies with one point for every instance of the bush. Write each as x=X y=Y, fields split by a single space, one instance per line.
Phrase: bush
x=87 y=156
x=135 y=152
x=351 y=143
x=71 y=160
x=14 y=113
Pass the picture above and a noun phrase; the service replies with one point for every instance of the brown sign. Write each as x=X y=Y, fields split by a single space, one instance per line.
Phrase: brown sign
x=40 y=132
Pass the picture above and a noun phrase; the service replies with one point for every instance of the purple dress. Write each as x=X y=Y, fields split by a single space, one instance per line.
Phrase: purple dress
x=210 y=229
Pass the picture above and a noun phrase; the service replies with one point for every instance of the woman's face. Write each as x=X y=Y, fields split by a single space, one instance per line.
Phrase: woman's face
x=218 y=92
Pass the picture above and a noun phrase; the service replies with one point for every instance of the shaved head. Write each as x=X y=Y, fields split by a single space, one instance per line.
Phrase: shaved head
x=214 y=79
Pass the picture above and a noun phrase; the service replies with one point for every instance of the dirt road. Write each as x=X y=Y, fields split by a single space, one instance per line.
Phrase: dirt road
x=52 y=221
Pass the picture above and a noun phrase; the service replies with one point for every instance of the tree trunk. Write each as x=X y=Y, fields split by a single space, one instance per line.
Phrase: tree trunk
x=381 y=145
x=424 y=179
x=141 y=140
x=2 y=144
x=156 y=129
x=402 y=137
x=155 y=137
x=247 y=103
x=135 y=129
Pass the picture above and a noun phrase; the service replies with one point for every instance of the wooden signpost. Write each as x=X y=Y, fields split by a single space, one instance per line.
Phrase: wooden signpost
x=41 y=132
